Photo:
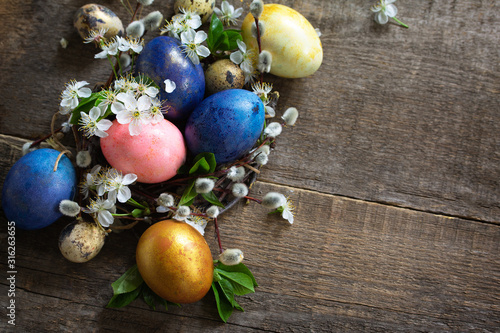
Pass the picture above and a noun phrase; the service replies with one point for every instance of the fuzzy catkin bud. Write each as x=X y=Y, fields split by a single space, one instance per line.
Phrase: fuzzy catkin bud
x=290 y=116
x=135 y=29
x=153 y=20
x=83 y=158
x=124 y=60
x=273 y=200
x=256 y=8
x=273 y=129
x=203 y=185
x=265 y=61
x=231 y=257
x=261 y=159
x=69 y=208
x=239 y=190
x=262 y=28
x=213 y=211
x=145 y=2
x=236 y=173
x=165 y=199
x=183 y=211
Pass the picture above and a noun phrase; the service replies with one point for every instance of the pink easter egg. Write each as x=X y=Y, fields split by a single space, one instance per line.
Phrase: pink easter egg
x=154 y=155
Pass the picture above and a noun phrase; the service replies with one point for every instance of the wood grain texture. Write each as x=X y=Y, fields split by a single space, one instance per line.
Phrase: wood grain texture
x=394 y=166
x=364 y=266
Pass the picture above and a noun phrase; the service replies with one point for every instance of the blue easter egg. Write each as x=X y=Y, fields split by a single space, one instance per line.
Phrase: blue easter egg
x=227 y=124
x=32 y=190
x=163 y=58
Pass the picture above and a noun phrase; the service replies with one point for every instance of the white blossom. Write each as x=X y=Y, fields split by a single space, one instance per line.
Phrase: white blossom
x=227 y=14
x=189 y=17
x=192 y=45
x=91 y=125
x=198 y=223
x=74 y=89
x=116 y=184
x=134 y=112
x=101 y=209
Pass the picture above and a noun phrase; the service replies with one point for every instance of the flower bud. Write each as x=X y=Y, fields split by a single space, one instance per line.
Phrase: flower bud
x=145 y=2
x=166 y=200
x=261 y=159
x=236 y=173
x=262 y=28
x=213 y=211
x=231 y=257
x=265 y=61
x=69 y=208
x=124 y=60
x=273 y=129
x=135 y=29
x=273 y=200
x=83 y=158
x=153 y=20
x=204 y=185
x=256 y=8
x=239 y=190
x=290 y=116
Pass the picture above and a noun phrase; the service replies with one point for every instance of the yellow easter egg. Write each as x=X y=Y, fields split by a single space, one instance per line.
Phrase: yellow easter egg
x=290 y=38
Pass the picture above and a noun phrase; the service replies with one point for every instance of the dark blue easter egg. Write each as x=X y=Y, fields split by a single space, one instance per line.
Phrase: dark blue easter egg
x=163 y=58
x=227 y=124
x=32 y=190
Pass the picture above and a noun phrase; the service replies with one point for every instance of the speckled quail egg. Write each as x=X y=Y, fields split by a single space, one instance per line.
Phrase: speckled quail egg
x=95 y=17
x=204 y=8
x=222 y=75
x=81 y=241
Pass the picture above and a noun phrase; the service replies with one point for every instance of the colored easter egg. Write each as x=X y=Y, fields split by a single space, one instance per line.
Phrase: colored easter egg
x=204 y=8
x=95 y=17
x=154 y=155
x=222 y=75
x=32 y=189
x=81 y=241
x=163 y=58
x=226 y=124
x=290 y=38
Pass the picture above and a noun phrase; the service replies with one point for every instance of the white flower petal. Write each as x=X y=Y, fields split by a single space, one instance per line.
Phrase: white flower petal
x=129 y=179
x=104 y=124
x=94 y=113
x=124 y=117
x=203 y=51
x=236 y=57
x=169 y=85
x=391 y=10
x=135 y=127
x=124 y=194
x=105 y=218
x=200 y=37
x=381 y=18
x=84 y=92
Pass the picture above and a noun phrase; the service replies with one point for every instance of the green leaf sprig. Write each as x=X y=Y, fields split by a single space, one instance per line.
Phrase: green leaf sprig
x=231 y=281
x=220 y=40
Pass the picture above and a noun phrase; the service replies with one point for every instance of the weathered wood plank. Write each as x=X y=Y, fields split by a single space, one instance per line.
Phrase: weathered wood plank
x=344 y=265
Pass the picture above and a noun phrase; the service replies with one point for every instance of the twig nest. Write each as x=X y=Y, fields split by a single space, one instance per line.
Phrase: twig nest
x=222 y=75
x=95 y=17
x=204 y=8
x=292 y=41
x=81 y=241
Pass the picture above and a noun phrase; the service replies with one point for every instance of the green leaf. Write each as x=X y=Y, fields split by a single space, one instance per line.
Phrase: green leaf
x=227 y=290
x=151 y=298
x=230 y=37
x=224 y=307
x=121 y=300
x=188 y=195
x=128 y=282
x=241 y=282
x=200 y=167
x=84 y=106
x=212 y=198
x=238 y=268
x=214 y=33
x=237 y=306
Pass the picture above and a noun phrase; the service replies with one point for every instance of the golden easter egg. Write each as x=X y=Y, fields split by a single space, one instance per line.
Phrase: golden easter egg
x=175 y=261
x=204 y=8
x=93 y=17
x=292 y=41
x=222 y=75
